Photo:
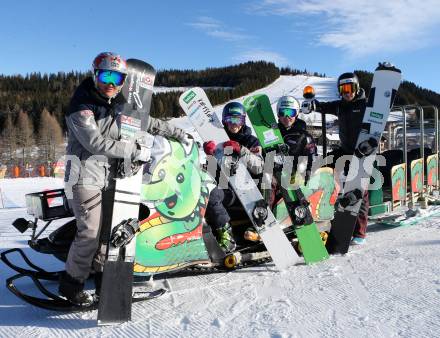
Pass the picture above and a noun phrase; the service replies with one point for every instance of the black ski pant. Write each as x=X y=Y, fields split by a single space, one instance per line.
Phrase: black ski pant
x=360 y=229
x=216 y=212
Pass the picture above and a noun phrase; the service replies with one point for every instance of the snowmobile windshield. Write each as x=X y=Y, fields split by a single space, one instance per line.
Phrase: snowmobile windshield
x=287 y=112
x=110 y=77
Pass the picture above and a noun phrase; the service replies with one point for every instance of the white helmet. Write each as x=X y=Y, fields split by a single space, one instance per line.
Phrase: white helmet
x=288 y=103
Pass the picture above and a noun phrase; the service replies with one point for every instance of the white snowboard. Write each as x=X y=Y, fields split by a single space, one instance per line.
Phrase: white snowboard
x=197 y=107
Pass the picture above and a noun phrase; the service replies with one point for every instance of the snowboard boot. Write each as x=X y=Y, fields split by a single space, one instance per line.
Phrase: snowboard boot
x=97 y=278
x=224 y=238
x=73 y=290
x=358 y=241
x=251 y=235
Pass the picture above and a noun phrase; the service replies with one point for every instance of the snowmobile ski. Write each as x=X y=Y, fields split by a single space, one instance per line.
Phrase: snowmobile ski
x=54 y=302
x=33 y=269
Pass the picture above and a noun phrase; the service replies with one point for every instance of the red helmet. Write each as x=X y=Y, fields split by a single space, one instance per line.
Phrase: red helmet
x=110 y=61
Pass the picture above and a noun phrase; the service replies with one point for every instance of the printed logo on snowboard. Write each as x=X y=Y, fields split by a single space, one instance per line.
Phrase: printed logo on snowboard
x=376 y=115
x=129 y=127
x=251 y=102
x=130 y=121
x=189 y=97
x=176 y=190
x=143 y=80
x=205 y=110
x=269 y=136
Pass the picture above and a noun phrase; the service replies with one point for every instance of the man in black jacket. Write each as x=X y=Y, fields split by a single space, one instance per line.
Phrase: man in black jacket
x=350 y=111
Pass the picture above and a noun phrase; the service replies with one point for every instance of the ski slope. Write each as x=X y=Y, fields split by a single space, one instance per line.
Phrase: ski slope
x=325 y=89
x=388 y=288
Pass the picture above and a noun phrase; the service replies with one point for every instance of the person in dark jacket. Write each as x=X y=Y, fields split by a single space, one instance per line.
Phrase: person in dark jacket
x=300 y=143
x=248 y=148
x=350 y=111
x=92 y=155
x=294 y=131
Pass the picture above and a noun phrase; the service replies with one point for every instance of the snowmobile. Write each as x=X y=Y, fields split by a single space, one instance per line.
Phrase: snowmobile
x=172 y=236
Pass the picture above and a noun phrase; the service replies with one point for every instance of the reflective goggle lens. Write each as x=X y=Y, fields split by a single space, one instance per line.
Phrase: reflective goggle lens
x=110 y=77
x=237 y=120
x=287 y=112
x=347 y=88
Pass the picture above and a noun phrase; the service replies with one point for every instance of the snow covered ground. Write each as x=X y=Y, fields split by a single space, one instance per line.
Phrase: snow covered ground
x=388 y=288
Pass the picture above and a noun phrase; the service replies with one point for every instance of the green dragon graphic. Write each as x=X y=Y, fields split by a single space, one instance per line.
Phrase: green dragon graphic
x=177 y=192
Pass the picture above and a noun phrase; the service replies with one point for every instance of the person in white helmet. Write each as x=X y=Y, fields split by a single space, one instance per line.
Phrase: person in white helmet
x=93 y=152
x=300 y=144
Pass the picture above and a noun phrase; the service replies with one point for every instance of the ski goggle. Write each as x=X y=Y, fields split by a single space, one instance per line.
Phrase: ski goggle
x=287 y=112
x=110 y=77
x=347 y=88
x=237 y=120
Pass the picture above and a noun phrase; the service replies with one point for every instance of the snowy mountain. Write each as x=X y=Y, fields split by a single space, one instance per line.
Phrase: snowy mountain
x=291 y=85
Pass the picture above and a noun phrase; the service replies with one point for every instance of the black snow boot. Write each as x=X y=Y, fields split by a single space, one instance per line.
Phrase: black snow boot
x=97 y=278
x=73 y=290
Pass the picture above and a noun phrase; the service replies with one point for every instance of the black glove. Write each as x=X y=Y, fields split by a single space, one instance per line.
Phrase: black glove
x=129 y=170
x=142 y=153
x=182 y=136
x=283 y=149
x=366 y=147
x=124 y=232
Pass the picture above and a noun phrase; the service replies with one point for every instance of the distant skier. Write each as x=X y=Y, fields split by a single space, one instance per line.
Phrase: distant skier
x=248 y=148
x=350 y=111
x=93 y=152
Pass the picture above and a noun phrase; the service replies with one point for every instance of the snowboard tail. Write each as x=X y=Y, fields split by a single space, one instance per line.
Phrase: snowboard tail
x=113 y=311
x=54 y=302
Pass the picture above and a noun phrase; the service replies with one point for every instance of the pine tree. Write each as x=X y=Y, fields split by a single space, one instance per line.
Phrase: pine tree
x=25 y=139
x=9 y=141
x=50 y=136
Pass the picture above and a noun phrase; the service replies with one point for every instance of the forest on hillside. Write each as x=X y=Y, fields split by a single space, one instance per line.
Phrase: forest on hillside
x=32 y=107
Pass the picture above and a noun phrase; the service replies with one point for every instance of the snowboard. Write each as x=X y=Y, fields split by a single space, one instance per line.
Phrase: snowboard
x=260 y=113
x=197 y=107
x=117 y=282
x=386 y=81
x=176 y=190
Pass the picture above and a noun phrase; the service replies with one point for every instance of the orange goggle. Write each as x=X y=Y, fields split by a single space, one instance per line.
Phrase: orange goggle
x=347 y=88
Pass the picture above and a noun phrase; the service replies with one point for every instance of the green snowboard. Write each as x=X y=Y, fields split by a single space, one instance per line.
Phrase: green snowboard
x=260 y=113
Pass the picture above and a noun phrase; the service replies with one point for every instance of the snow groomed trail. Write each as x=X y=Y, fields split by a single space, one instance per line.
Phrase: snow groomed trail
x=387 y=288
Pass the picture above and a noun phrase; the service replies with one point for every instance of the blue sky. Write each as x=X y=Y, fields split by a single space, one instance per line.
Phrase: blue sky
x=325 y=36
